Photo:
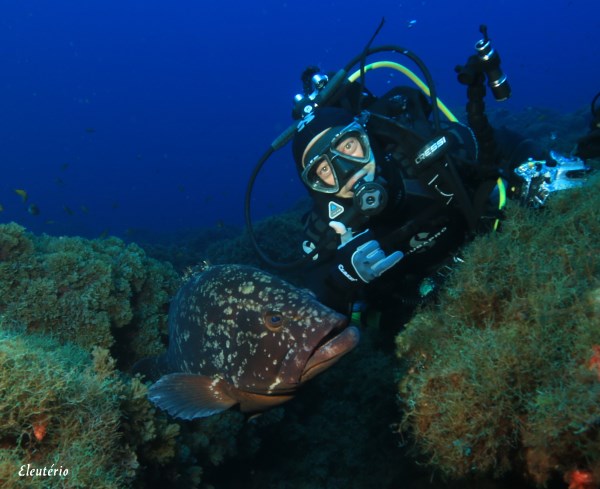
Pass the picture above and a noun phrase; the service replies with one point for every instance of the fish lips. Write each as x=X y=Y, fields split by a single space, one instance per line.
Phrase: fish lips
x=331 y=348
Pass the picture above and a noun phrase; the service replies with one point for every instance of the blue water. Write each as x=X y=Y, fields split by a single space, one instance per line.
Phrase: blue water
x=150 y=115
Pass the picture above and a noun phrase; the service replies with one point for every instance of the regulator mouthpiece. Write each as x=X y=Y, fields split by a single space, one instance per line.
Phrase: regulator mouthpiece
x=370 y=198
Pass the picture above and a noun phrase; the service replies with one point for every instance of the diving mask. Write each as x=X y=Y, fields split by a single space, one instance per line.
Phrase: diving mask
x=337 y=155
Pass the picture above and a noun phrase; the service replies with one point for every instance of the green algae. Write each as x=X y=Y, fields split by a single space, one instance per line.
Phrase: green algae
x=75 y=314
x=57 y=412
x=84 y=291
x=498 y=374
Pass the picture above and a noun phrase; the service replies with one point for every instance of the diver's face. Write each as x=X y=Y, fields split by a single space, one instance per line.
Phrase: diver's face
x=349 y=146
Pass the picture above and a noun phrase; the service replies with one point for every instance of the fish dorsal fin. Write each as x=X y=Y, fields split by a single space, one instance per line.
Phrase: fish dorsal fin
x=190 y=396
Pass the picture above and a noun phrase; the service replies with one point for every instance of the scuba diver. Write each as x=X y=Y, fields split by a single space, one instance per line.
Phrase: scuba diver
x=396 y=192
x=401 y=197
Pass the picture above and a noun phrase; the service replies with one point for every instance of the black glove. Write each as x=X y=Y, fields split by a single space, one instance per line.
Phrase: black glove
x=359 y=259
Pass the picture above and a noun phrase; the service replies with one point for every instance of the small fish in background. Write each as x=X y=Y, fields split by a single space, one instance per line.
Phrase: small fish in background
x=411 y=23
x=1 y=208
x=33 y=209
x=239 y=336
x=59 y=181
x=68 y=210
x=90 y=130
x=84 y=209
x=21 y=193
x=64 y=166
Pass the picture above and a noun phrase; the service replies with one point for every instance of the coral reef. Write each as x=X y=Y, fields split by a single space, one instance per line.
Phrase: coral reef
x=58 y=411
x=502 y=375
x=86 y=292
x=74 y=315
x=73 y=414
x=549 y=128
x=278 y=236
x=340 y=432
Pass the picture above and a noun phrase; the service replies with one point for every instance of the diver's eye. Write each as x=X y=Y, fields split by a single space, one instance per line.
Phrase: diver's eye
x=323 y=170
x=350 y=146
x=274 y=320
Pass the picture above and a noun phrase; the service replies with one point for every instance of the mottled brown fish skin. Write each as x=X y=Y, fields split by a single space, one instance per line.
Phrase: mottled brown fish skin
x=238 y=335
x=220 y=323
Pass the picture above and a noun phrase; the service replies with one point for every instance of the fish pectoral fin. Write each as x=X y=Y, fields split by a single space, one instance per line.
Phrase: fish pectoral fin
x=190 y=396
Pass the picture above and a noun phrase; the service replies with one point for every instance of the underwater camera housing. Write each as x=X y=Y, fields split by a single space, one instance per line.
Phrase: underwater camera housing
x=541 y=178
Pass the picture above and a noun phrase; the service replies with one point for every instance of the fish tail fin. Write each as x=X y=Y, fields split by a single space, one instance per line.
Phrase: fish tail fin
x=151 y=368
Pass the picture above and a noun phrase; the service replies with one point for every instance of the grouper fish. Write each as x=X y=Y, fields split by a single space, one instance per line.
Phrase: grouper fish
x=239 y=336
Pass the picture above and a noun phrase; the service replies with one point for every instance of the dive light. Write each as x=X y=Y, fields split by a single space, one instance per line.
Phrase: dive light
x=486 y=62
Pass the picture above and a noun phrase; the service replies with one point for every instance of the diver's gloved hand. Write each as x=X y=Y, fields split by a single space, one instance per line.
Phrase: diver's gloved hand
x=359 y=259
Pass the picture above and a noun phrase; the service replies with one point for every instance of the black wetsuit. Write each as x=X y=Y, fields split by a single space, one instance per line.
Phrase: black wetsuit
x=415 y=221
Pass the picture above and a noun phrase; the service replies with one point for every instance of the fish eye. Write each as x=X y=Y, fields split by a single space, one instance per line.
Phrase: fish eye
x=274 y=320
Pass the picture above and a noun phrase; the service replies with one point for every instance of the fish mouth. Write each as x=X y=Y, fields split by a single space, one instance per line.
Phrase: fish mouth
x=329 y=350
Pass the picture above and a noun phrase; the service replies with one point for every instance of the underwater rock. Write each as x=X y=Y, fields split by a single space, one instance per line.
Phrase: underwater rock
x=72 y=313
x=502 y=375
x=89 y=292
x=73 y=414
x=58 y=412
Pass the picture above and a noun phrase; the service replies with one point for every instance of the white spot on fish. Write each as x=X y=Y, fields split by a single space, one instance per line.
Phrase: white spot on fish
x=247 y=288
x=274 y=384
